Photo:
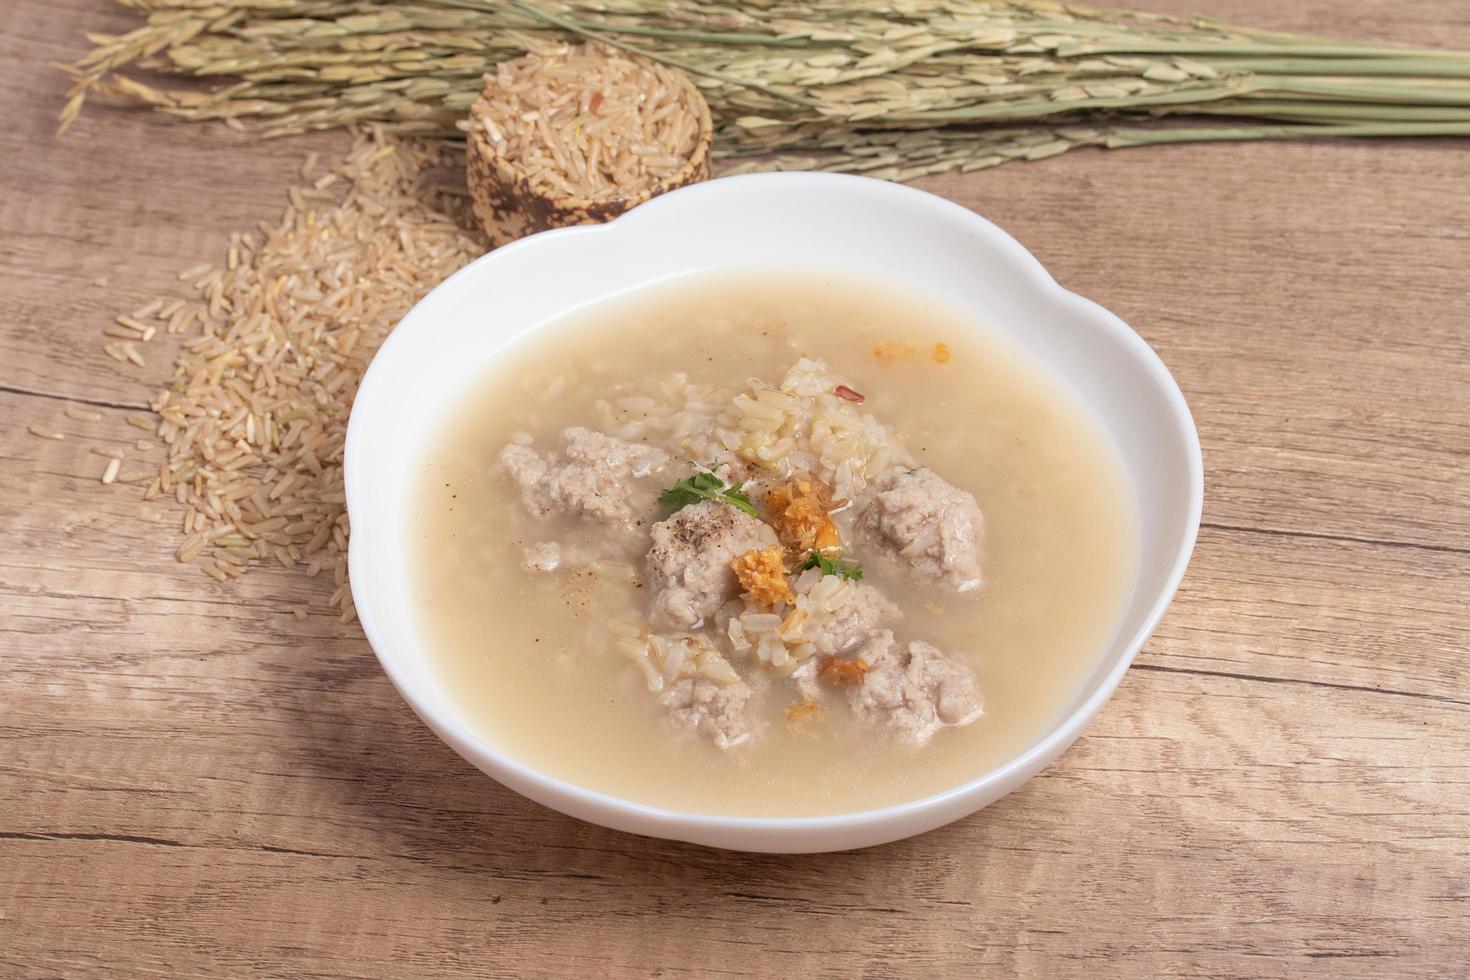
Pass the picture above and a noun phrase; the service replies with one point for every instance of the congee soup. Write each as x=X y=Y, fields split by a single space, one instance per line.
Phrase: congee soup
x=768 y=545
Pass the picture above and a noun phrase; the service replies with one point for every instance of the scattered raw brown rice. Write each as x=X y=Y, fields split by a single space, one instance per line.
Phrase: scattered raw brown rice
x=256 y=416
x=36 y=430
x=110 y=474
x=82 y=414
x=147 y=309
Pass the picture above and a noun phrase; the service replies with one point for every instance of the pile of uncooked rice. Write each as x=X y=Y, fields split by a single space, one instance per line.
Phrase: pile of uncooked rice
x=589 y=122
x=255 y=418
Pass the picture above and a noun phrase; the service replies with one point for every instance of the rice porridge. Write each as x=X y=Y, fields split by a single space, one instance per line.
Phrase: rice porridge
x=768 y=545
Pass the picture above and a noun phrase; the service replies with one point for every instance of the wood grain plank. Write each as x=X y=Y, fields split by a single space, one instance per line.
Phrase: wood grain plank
x=1169 y=807
x=195 y=783
x=1303 y=610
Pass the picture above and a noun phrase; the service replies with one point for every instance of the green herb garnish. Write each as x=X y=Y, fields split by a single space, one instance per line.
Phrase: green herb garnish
x=849 y=570
x=704 y=485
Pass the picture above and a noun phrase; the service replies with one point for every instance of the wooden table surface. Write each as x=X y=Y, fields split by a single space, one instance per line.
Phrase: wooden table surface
x=194 y=783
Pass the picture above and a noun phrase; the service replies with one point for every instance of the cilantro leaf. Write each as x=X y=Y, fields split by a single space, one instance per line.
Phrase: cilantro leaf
x=849 y=570
x=736 y=498
x=704 y=485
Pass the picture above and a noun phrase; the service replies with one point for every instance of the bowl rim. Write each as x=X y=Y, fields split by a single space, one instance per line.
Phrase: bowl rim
x=623 y=813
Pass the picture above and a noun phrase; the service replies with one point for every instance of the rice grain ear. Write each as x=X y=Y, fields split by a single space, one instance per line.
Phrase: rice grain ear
x=894 y=91
x=578 y=135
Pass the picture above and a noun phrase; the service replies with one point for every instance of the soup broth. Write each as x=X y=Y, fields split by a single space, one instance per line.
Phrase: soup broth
x=527 y=657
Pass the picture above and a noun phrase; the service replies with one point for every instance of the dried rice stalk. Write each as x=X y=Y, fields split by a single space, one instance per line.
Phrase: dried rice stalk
x=895 y=90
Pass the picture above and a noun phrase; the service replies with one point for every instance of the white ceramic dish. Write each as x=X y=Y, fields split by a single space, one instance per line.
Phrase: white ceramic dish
x=849 y=224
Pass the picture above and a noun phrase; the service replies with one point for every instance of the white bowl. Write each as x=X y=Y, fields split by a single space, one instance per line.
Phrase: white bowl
x=846 y=224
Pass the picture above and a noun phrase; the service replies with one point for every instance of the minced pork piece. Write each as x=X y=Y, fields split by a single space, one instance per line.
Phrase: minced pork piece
x=592 y=476
x=689 y=563
x=852 y=622
x=927 y=523
x=914 y=690
x=716 y=710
